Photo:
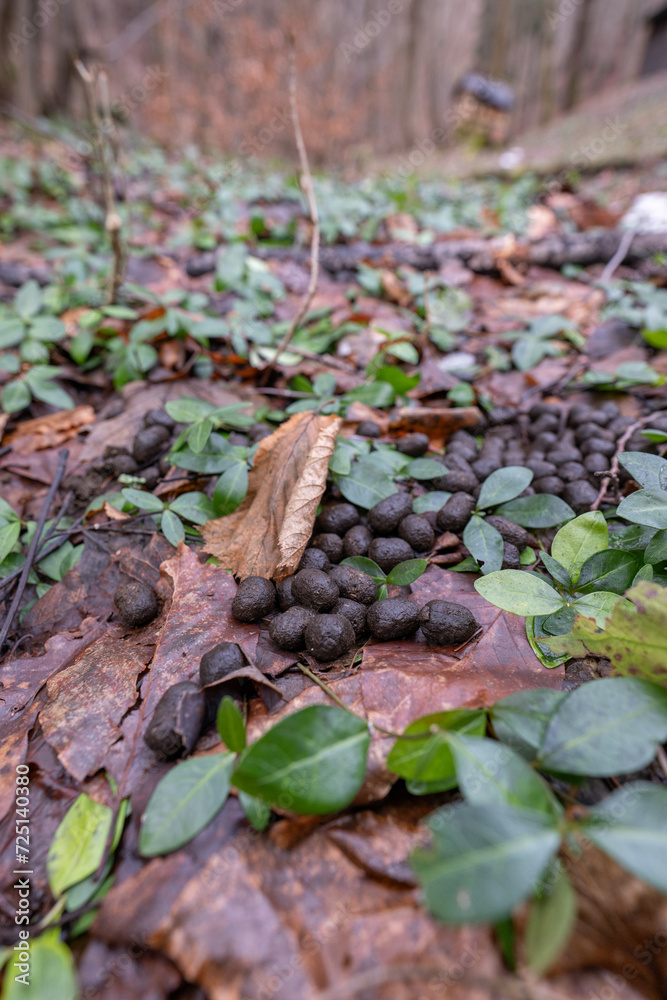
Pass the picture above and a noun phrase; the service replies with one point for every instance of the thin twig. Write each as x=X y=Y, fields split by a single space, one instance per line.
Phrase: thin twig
x=325 y=687
x=113 y=222
x=619 y=256
x=613 y=471
x=30 y=557
x=558 y=383
x=341 y=704
x=309 y=191
x=325 y=359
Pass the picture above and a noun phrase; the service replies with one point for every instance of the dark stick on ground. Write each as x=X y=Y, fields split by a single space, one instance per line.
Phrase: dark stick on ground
x=32 y=551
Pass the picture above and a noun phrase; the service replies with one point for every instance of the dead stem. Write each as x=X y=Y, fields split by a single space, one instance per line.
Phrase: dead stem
x=113 y=222
x=309 y=191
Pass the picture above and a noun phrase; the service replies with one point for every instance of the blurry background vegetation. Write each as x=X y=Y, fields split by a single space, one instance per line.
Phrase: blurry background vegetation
x=219 y=67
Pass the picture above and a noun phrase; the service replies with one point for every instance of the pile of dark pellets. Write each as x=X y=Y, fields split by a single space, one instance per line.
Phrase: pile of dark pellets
x=146 y=457
x=327 y=609
x=567 y=450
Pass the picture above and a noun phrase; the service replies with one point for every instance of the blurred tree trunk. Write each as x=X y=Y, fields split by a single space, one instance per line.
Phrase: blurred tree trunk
x=578 y=53
x=375 y=76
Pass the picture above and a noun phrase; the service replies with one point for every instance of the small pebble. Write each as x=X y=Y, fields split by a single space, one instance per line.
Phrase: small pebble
x=150 y=443
x=315 y=558
x=254 y=598
x=136 y=602
x=328 y=637
x=389 y=552
x=393 y=618
x=357 y=540
x=315 y=589
x=217 y=663
x=385 y=517
x=413 y=445
x=288 y=630
x=177 y=721
x=417 y=532
x=369 y=429
x=445 y=623
x=331 y=545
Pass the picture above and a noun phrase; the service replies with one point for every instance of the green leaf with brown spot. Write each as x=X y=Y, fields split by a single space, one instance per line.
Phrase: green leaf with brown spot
x=633 y=639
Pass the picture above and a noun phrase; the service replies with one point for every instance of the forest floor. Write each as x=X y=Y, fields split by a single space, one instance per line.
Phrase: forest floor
x=469 y=361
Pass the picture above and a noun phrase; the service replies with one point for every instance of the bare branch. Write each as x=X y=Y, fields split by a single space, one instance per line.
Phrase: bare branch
x=309 y=191
x=113 y=222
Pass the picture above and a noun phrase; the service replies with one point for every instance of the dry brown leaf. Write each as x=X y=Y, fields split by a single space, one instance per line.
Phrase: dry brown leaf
x=356 y=412
x=437 y=422
x=22 y=681
x=50 y=431
x=542 y=222
x=113 y=513
x=394 y=289
x=242 y=917
x=268 y=533
x=510 y=274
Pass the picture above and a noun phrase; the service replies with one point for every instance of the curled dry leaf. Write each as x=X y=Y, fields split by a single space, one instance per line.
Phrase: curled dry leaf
x=51 y=430
x=268 y=533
